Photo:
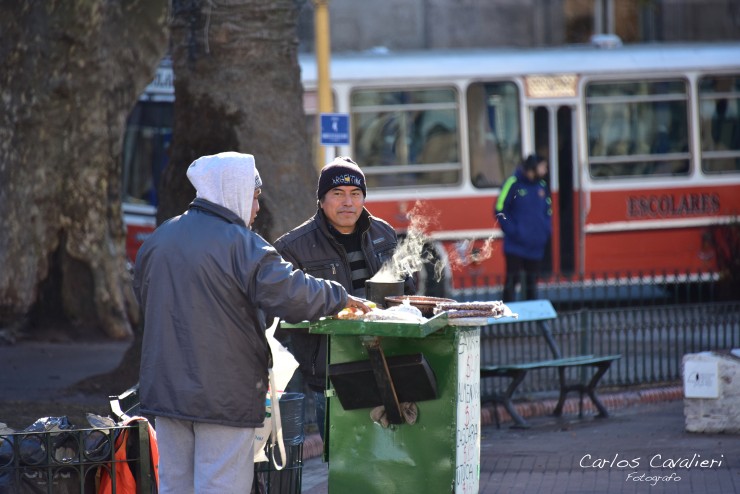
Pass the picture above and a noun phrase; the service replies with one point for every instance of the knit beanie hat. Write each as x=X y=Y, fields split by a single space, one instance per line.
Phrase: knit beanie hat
x=531 y=162
x=342 y=171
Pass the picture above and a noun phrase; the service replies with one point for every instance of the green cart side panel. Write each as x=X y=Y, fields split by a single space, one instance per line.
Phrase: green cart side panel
x=432 y=455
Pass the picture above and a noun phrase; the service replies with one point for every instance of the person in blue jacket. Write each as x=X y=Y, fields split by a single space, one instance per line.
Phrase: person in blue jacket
x=524 y=213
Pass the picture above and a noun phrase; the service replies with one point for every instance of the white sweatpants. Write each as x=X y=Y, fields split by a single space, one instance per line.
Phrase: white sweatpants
x=196 y=457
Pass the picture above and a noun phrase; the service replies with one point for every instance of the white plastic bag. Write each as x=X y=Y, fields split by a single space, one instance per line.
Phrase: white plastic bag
x=283 y=367
x=284 y=363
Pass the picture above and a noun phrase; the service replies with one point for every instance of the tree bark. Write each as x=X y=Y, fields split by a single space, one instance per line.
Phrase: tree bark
x=238 y=88
x=71 y=71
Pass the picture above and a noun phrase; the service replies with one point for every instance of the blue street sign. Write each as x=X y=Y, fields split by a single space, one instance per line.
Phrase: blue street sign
x=334 y=129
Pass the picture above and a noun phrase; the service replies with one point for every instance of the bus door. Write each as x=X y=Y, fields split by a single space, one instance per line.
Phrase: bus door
x=552 y=129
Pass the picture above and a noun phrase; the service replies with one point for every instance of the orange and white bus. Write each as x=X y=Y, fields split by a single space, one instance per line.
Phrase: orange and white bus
x=643 y=143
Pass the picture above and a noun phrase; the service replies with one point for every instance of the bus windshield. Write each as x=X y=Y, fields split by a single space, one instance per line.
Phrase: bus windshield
x=146 y=145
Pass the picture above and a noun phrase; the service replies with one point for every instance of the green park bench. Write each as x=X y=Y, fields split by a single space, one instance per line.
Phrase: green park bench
x=542 y=312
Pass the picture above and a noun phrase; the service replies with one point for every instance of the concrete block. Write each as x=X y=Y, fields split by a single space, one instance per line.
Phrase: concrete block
x=712 y=392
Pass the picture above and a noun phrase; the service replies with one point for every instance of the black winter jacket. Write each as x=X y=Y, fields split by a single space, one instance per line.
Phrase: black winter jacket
x=312 y=248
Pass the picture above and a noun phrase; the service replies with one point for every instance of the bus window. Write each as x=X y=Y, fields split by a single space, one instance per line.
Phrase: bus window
x=406 y=137
x=146 y=144
x=638 y=128
x=719 y=110
x=495 y=136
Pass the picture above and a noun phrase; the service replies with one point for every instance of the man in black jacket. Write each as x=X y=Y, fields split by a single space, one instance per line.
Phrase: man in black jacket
x=341 y=242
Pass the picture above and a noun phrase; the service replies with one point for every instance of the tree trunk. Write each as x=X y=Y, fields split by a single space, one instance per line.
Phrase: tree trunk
x=238 y=88
x=71 y=71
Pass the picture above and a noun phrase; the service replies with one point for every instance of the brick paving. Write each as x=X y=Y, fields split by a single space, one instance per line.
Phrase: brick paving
x=614 y=455
x=572 y=455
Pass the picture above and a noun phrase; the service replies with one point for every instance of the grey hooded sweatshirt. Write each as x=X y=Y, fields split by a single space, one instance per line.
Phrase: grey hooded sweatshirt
x=204 y=282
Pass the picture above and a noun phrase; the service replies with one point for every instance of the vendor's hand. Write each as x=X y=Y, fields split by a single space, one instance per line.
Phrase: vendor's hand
x=357 y=303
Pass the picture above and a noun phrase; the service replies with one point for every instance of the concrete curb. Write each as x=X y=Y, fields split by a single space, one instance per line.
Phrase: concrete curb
x=612 y=401
x=313 y=445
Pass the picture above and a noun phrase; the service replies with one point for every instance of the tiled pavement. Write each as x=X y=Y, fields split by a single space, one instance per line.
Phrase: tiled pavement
x=590 y=455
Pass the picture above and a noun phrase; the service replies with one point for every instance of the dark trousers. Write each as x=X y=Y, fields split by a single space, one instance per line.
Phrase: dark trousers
x=320 y=407
x=522 y=271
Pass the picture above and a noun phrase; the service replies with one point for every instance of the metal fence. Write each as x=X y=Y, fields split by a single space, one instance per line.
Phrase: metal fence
x=598 y=291
x=652 y=340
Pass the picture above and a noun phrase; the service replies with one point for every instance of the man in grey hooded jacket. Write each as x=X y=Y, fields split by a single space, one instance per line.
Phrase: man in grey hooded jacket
x=204 y=282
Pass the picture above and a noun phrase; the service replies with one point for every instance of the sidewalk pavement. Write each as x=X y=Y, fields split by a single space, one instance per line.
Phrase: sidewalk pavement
x=31 y=370
x=556 y=455
x=641 y=448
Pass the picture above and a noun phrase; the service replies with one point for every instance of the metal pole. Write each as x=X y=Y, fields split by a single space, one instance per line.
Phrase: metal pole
x=599 y=17
x=323 y=55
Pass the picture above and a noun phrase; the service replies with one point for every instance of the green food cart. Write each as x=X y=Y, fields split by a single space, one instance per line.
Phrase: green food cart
x=424 y=373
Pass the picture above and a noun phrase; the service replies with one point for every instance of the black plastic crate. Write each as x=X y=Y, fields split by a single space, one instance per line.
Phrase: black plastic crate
x=269 y=480
x=70 y=460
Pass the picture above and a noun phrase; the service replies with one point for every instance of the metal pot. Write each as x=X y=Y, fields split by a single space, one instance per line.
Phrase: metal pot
x=376 y=291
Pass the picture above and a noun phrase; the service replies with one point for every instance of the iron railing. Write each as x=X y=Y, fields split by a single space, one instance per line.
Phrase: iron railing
x=600 y=291
x=651 y=339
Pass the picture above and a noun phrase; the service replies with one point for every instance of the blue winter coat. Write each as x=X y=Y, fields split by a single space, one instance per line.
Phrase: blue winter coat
x=524 y=213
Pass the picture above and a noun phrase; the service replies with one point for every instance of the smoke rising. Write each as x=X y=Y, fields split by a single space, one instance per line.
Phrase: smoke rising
x=409 y=256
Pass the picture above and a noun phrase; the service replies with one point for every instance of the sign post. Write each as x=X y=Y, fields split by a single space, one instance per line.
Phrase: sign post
x=334 y=129
x=323 y=57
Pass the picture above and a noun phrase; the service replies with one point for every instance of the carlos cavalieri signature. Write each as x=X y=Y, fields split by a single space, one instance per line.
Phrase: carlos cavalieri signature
x=657 y=461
